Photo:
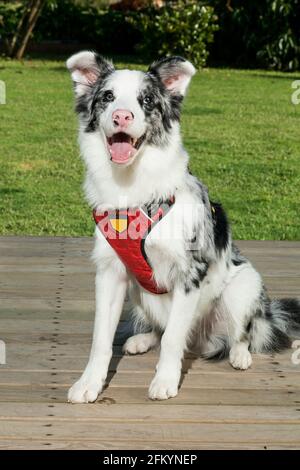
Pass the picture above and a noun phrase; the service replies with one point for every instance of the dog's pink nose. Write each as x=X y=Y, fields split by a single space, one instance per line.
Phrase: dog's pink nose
x=122 y=118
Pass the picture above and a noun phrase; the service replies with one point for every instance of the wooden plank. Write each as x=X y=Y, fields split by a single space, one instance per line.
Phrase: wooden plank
x=264 y=245
x=193 y=379
x=77 y=241
x=39 y=308
x=32 y=308
x=141 y=432
x=139 y=395
x=52 y=444
x=49 y=265
x=157 y=412
x=44 y=246
x=29 y=330
x=44 y=285
x=70 y=352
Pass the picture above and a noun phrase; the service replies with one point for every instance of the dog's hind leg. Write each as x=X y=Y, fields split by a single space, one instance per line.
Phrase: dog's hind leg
x=141 y=343
x=237 y=304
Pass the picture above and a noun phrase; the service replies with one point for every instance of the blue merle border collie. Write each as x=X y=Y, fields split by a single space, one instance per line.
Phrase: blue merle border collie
x=185 y=278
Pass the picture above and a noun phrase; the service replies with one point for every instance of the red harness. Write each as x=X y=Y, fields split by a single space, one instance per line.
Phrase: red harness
x=126 y=231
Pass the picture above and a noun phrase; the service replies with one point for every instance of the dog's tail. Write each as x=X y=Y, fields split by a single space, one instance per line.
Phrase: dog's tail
x=271 y=331
x=216 y=348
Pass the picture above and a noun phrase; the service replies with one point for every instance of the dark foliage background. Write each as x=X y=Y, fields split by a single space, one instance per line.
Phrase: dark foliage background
x=256 y=33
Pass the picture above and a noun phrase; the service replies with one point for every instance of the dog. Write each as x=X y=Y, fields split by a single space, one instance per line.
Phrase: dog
x=159 y=239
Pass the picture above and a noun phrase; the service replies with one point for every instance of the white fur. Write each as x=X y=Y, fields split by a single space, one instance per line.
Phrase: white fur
x=240 y=357
x=141 y=343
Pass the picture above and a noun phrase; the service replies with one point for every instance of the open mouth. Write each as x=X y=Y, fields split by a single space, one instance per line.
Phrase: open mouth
x=122 y=147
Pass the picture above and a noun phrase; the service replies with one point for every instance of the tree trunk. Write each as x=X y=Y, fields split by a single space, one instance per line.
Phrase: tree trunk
x=25 y=27
x=13 y=42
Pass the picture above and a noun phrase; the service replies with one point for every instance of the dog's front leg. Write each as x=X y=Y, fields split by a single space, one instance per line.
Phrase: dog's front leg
x=173 y=343
x=111 y=286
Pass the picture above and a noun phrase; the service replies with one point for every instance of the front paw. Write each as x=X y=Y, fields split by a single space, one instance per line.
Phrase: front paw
x=84 y=391
x=162 y=388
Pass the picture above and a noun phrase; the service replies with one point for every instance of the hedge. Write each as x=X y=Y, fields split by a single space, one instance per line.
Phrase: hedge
x=256 y=33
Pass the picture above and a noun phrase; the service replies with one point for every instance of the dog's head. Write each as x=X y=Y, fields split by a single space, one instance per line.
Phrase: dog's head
x=130 y=109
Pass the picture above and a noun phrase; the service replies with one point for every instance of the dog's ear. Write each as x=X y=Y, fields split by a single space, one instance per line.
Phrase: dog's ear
x=175 y=73
x=86 y=69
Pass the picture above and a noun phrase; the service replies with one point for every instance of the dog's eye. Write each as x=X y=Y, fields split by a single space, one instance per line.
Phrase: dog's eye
x=108 y=96
x=148 y=100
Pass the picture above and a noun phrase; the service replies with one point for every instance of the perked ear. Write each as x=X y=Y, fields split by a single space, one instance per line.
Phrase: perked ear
x=175 y=73
x=86 y=68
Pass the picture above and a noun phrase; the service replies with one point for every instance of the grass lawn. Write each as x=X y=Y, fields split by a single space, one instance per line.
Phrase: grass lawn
x=239 y=126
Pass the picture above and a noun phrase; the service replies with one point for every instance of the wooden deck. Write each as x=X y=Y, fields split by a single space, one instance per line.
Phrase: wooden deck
x=46 y=319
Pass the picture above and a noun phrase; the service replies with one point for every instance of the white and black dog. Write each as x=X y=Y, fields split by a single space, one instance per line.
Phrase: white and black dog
x=158 y=236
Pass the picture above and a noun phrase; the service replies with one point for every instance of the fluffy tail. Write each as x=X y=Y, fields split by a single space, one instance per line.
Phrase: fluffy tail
x=270 y=330
x=273 y=330
x=216 y=348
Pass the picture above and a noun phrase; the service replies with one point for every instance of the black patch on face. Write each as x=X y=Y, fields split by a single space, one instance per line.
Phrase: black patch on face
x=161 y=109
x=93 y=102
x=101 y=98
x=82 y=105
x=221 y=226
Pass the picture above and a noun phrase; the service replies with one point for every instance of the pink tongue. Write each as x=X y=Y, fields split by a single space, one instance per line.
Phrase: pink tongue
x=121 y=152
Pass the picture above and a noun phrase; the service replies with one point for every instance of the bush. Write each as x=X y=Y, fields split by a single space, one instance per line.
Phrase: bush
x=282 y=49
x=10 y=14
x=103 y=28
x=183 y=27
x=65 y=21
x=69 y=21
x=116 y=34
x=252 y=33
x=258 y=33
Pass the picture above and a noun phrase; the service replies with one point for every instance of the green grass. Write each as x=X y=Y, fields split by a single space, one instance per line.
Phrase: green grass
x=239 y=126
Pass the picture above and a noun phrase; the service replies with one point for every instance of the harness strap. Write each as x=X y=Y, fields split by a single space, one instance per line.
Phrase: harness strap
x=126 y=231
